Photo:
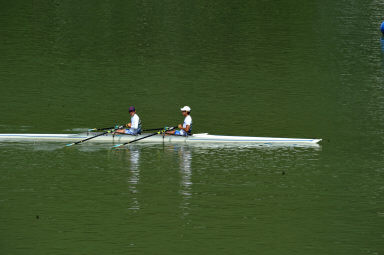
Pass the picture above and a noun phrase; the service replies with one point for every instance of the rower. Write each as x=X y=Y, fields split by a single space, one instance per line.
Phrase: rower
x=186 y=127
x=134 y=127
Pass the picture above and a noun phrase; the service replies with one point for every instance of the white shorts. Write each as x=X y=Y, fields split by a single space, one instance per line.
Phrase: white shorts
x=180 y=132
x=131 y=131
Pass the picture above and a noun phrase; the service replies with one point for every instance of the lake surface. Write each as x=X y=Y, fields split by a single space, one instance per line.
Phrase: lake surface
x=256 y=68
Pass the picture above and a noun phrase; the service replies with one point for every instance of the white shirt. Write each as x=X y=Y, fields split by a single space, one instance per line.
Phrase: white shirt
x=187 y=121
x=135 y=120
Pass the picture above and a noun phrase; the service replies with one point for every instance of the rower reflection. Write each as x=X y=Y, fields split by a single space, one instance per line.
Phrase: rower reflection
x=134 y=177
x=185 y=157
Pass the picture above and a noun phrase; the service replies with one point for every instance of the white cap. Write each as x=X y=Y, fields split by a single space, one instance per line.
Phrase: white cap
x=186 y=108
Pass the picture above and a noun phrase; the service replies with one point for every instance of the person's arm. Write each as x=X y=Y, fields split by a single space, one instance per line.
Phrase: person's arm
x=186 y=129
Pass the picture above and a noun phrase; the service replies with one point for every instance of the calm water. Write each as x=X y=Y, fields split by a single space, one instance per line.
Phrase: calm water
x=278 y=68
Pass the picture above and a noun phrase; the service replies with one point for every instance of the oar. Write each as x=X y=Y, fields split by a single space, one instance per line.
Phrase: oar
x=89 y=138
x=152 y=129
x=159 y=132
x=122 y=144
x=114 y=127
x=95 y=129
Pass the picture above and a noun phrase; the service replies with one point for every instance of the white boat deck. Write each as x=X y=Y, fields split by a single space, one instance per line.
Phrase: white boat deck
x=196 y=138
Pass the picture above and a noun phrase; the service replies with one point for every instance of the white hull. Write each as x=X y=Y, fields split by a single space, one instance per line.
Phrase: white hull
x=196 y=138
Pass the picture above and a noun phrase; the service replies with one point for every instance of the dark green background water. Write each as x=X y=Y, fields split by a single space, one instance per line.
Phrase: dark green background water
x=261 y=68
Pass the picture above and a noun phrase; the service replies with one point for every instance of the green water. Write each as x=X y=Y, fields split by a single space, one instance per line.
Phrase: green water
x=310 y=69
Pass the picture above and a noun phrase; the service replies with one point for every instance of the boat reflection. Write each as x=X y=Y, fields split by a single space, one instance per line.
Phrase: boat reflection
x=138 y=162
x=131 y=156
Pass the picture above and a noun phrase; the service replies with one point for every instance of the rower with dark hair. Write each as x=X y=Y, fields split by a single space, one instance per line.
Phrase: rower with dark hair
x=134 y=127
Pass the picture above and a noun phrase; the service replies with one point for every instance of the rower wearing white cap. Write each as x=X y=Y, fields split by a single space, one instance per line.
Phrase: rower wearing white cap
x=186 y=127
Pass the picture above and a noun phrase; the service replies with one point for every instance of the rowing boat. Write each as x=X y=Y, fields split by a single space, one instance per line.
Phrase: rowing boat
x=121 y=138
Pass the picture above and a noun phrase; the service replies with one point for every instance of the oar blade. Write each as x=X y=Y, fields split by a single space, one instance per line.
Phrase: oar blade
x=70 y=144
x=117 y=145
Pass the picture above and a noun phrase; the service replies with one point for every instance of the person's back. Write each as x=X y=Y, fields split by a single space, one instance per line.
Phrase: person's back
x=135 y=127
